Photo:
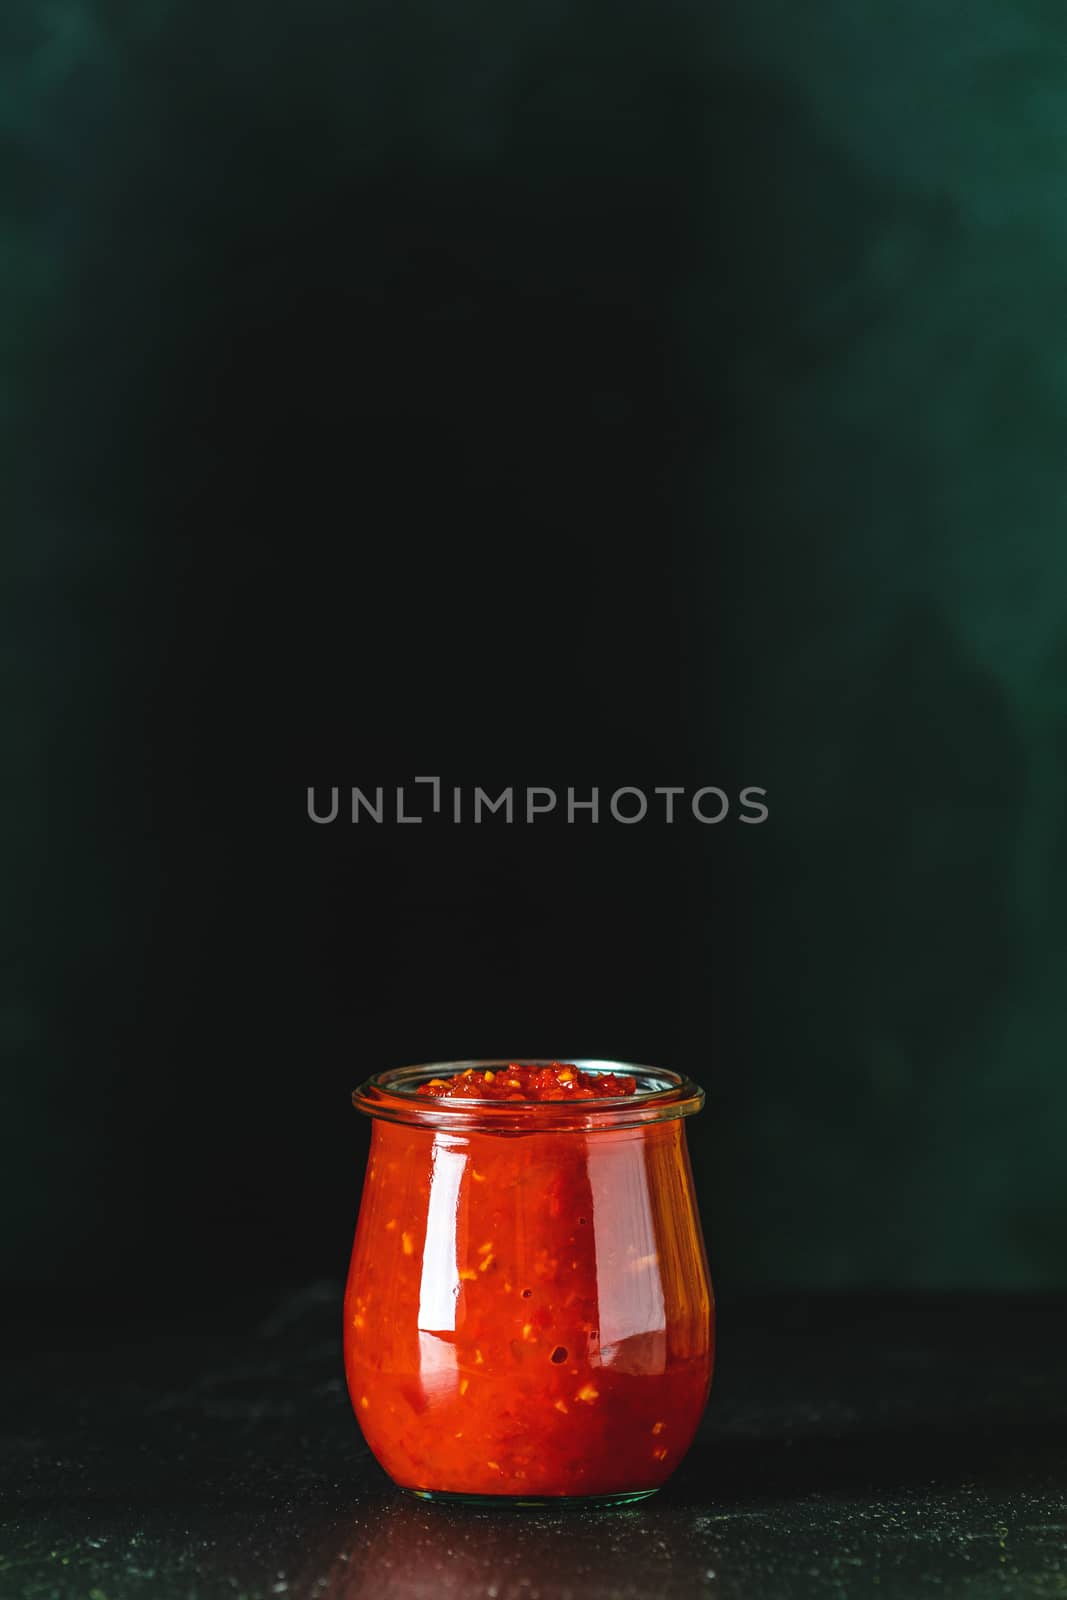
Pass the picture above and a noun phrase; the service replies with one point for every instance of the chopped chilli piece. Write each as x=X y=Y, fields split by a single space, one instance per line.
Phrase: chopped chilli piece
x=560 y=1081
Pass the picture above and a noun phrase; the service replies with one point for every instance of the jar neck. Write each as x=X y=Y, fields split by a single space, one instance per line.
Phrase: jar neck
x=660 y=1096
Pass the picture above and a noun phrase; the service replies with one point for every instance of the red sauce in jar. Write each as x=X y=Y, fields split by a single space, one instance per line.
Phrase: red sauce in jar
x=558 y=1081
x=528 y=1311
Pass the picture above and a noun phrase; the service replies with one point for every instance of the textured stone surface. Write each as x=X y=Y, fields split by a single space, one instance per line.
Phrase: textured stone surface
x=882 y=1448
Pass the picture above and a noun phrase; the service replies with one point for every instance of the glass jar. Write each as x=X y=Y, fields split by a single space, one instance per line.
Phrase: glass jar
x=529 y=1315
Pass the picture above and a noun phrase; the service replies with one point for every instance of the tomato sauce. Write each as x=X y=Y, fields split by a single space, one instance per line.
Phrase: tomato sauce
x=560 y=1080
x=528 y=1312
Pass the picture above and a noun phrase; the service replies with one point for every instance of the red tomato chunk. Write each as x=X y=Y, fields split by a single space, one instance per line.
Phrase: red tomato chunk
x=559 y=1081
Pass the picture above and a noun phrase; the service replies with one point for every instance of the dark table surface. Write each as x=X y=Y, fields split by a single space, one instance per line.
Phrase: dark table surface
x=880 y=1447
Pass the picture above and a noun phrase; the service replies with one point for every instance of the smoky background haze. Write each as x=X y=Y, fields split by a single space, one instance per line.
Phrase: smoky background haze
x=534 y=395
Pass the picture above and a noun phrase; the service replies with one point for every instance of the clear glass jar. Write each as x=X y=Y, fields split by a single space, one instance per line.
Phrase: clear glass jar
x=529 y=1315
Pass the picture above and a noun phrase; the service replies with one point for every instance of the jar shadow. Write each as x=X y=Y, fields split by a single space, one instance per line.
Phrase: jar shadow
x=404 y=1550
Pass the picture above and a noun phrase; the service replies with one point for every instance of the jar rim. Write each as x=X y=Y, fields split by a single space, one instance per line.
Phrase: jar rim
x=661 y=1096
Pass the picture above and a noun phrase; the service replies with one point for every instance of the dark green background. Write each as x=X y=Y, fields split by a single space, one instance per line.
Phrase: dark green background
x=535 y=393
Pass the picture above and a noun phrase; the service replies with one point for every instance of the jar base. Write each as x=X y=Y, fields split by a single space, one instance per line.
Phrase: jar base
x=516 y=1502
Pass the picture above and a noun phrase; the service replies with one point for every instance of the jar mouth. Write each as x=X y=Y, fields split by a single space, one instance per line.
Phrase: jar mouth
x=660 y=1096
